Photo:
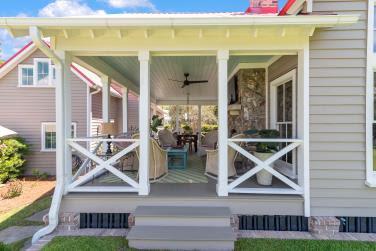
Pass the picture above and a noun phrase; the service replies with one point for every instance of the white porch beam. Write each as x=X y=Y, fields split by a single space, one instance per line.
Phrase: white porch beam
x=125 y=109
x=100 y=67
x=177 y=122
x=105 y=98
x=144 y=58
x=222 y=60
x=303 y=128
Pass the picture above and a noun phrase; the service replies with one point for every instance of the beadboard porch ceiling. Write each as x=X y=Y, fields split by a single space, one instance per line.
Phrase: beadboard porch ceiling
x=164 y=68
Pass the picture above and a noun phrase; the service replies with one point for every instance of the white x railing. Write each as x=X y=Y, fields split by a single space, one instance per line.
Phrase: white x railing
x=266 y=165
x=102 y=166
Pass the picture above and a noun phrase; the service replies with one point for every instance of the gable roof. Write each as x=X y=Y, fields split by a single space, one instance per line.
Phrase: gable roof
x=88 y=77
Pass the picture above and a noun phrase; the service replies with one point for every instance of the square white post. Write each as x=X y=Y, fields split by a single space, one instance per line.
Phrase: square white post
x=105 y=99
x=303 y=125
x=222 y=60
x=64 y=116
x=125 y=109
x=199 y=123
x=144 y=58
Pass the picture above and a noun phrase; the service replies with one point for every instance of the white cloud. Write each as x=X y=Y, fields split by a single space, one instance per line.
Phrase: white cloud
x=132 y=4
x=10 y=45
x=62 y=8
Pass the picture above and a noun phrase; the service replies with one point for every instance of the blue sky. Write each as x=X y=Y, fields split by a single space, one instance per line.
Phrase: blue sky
x=51 y=8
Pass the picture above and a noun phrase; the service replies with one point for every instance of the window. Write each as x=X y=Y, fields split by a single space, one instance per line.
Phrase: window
x=26 y=74
x=283 y=118
x=42 y=69
x=48 y=140
x=41 y=74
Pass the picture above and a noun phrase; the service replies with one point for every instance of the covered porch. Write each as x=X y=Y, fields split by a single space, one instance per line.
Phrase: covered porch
x=141 y=53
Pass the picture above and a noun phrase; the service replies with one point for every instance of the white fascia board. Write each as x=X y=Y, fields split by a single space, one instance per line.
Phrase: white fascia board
x=17 y=60
x=181 y=20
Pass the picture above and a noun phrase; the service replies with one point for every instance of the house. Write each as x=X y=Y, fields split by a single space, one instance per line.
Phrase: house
x=28 y=104
x=306 y=72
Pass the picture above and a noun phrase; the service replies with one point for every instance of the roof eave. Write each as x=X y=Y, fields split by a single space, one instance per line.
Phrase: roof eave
x=23 y=24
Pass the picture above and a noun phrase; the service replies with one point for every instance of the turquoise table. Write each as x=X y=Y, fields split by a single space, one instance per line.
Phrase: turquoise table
x=177 y=158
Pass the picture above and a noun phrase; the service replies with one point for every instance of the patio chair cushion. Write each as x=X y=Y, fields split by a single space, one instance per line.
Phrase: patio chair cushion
x=166 y=138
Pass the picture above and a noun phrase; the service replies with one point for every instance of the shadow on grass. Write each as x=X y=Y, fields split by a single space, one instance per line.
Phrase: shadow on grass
x=17 y=217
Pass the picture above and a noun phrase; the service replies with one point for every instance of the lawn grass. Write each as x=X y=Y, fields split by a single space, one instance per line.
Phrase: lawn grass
x=87 y=244
x=16 y=246
x=17 y=216
x=120 y=243
x=300 y=245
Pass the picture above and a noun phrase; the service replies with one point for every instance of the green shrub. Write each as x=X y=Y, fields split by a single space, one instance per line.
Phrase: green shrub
x=39 y=175
x=12 y=153
x=14 y=189
x=209 y=128
x=4 y=247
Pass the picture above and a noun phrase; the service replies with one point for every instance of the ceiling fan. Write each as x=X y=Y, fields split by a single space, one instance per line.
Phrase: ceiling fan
x=187 y=82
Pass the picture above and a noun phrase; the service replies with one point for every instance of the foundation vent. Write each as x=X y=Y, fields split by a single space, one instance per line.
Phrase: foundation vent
x=273 y=223
x=357 y=224
x=104 y=220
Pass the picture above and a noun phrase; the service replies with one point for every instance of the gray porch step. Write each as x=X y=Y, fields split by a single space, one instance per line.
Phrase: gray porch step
x=186 y=238
x=182 y=216
x=212 y=212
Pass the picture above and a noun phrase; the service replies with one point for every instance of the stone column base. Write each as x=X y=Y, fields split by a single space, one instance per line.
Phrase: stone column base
x=324 y=225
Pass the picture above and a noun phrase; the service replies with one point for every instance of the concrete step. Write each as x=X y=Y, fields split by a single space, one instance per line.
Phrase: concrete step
x=181 y=238
x=182 y=216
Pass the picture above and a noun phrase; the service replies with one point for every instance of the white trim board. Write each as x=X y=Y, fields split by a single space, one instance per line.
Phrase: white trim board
x=370 y=173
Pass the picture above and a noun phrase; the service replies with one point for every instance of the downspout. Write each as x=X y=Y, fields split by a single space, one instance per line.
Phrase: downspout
x=53 y=215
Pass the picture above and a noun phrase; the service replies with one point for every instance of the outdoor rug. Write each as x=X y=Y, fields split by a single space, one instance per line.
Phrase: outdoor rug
x=192 y=175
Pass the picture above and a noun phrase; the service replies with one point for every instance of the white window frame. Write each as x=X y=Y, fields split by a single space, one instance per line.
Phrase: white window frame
x=34 y=66
x=370 y=90
x=289 y=171
x=20 y=68
x=43 y=133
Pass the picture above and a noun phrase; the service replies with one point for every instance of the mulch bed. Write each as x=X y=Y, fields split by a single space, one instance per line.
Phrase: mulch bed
x=32 y=190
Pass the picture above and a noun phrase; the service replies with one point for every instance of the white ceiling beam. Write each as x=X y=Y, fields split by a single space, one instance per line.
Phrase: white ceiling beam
x=228 y=33
x=66 y=34
x=92 y=34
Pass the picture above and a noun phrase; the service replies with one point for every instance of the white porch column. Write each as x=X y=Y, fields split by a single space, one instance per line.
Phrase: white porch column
x=125 y=109
x=199 y=123
x=303 y=125
x=177 y=122
x=63 y=119
x=105 y=99
x=144 y=58
x=222 y=186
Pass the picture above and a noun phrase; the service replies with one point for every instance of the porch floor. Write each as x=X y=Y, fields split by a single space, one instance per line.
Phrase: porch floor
x=182 y=183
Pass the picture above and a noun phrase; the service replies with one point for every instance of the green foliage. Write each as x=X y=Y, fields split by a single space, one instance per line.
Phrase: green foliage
x=12 y=153
x=187 y=128
x=39 y=175
x=209 y=128
x=266 y=147
x=4 y=247
x=155 y=123
x=14 y=189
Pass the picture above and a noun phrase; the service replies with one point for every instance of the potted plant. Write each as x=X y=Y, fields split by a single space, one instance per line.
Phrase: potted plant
x=155 y=123
x=264 y=150
x=187 y=129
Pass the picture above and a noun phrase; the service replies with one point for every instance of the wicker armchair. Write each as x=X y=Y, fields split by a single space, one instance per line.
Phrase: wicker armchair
x=158 y=166
x=208 y=142
x=211 y=169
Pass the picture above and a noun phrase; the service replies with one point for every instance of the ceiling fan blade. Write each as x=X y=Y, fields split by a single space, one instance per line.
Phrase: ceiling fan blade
x=179 y=81
x=198 y=82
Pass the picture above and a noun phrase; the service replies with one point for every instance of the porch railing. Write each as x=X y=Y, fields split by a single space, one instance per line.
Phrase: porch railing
x=87 y=172
x=293 y=188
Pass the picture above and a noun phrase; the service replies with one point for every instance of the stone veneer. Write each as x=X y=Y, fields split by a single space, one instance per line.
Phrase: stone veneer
x=251 y=92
